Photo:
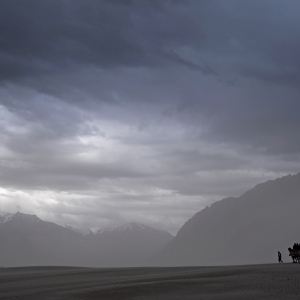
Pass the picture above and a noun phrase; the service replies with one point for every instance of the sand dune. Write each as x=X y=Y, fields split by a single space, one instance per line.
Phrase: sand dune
x=272 y=281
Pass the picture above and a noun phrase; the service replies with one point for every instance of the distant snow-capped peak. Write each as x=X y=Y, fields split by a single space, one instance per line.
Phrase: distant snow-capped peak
x=132 y=226
x=105 y=230
x=124 y=228
x=139 y=228
x=5 y=216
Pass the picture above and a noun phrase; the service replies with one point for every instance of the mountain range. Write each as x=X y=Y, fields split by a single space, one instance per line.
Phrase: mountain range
x=27 y=240
x=249 y=229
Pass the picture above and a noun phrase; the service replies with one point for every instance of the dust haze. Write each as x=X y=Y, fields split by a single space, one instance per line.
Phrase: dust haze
x=149 y=149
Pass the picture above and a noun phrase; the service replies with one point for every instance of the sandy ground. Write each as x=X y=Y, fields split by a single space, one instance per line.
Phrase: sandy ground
x=275 y=281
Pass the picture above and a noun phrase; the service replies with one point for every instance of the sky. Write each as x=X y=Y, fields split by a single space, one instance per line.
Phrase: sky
x=148 y=111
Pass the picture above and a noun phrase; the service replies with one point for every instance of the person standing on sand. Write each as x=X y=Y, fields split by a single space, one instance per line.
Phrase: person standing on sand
x=279 y=257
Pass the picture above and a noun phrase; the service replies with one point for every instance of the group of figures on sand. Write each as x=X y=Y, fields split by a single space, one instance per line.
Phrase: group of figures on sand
x=295 y=253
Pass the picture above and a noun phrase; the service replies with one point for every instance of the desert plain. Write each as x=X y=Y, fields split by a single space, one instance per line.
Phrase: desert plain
x=272 y=281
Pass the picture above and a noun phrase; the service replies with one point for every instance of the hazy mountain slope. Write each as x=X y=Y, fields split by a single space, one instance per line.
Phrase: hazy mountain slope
x=248 y=229
x=129 y=245
x=81 y=231
x=27 y=240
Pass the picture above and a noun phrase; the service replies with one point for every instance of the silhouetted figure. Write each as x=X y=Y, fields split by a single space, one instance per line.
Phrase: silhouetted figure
x=279 y=257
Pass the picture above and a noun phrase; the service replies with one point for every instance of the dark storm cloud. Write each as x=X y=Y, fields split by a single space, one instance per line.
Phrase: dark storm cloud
x=121 y=109
x=256 y=39
x=40 y=37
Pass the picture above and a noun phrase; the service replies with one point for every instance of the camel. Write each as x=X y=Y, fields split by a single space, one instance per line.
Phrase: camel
x=295 y=254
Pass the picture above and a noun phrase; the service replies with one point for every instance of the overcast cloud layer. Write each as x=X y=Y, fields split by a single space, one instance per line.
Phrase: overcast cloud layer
x=119 y=111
